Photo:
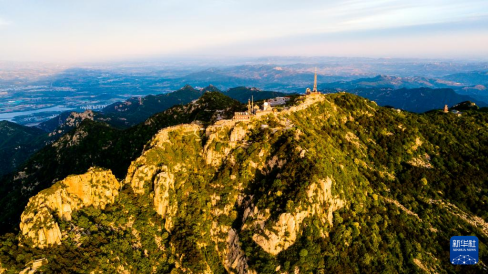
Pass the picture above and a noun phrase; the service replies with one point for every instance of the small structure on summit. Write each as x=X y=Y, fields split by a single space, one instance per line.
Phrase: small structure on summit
x=314 y=91
x=241 y=116
x=446 y=109
x=456 y=112
x=265 y=109
x=245 y=116
x=278 y=101
x=253 y=110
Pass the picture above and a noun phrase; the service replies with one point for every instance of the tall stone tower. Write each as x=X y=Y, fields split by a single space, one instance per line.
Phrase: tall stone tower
x=446 y=109
x=315 y=81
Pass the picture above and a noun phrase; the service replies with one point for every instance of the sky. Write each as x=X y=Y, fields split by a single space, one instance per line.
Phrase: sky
x=103 y=30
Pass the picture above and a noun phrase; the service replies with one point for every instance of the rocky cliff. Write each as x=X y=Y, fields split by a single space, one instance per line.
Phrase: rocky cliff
x=39 y=225
x=284 y=232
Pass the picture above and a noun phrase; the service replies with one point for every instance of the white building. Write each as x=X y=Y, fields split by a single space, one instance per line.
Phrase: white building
x=278 y=101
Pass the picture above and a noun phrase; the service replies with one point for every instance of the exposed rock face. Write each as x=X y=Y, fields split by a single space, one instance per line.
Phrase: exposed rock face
x=139 y=175
x=235 y=258
x=40 y=227
x=33 y=266
x=73 y=120
x=283 y=234
x=164 y=187
x=238 y=134
x=143 y=170
x=163 y=184
x=149 y=172
x=285 y=231
x=70 y=140
x=222 y=139
x=38 y=221
x=421 y=161
x=323 y=204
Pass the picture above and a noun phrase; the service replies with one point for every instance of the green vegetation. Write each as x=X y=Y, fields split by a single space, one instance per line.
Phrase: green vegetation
x=408 y=183
x=97 y=144
x=137 y=110
x=17 y=144
x=414 y=99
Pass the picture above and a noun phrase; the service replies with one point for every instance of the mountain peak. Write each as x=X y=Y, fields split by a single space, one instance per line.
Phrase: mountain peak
x=466 y=105
x=187 y=88
x=211 y=88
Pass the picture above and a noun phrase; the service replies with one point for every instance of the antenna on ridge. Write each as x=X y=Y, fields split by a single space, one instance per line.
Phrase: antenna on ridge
x=315 y=81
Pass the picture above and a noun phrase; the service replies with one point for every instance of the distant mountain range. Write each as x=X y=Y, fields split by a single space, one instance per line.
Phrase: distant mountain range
x=454 y=89
x=415 y=100
x=90 y=88
x=291 y=79
x=385 y=81
x=122 y=115
x=20 y=142
x=472 y=78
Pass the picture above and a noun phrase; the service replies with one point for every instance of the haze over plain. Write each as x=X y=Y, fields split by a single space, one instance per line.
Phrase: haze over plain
x=84 y=31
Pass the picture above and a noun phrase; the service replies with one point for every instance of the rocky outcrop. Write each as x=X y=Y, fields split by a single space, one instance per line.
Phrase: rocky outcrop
x=164 y=189
x=237 y=134
x=33 y=266
x=75 y=118
x=143 y=171
x=64 y=125
x=421 y=161
x=154 y=172
x=163 y=184
x=284 y=232
x=38 y=224
x=322 y=202
x=222 y=139
x=235 y=258
x=141 y=175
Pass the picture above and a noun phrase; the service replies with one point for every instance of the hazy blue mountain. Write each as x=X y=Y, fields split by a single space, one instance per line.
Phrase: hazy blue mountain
x=395 y=82
x=469 y=78
x=243 y=94
x=479 y=92
x=416 y=99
